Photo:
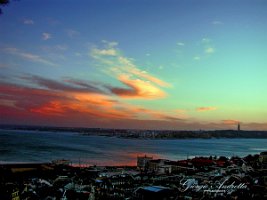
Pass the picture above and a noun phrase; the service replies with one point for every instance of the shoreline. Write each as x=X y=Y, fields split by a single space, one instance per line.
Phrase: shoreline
x=152 y=134
x=161 y=135
x=68 y=162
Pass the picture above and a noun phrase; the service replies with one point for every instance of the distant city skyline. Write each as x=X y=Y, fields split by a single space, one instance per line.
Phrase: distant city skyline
x=152 y=64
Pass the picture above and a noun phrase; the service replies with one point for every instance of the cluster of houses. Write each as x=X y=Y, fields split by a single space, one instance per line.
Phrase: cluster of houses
x=157 y=179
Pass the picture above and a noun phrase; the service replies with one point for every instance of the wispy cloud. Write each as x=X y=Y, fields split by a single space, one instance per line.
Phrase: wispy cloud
x=181 y=113
x=216 y=22
x=137 y=89
x=46 y=36
x=203 y=109
x=61 y=47
x=206 y=40
x=161 y=67
x=196 y=58
x=147 y=76
x=3 y=65
x=209 y=50
x=140 y=83
x=58 y=47
x=230 y=122
x=78 y=54
x=104 y=52
x=28 y=56
x=208 y=46
x=180 y=43
x=72 y=33
x=67 y=85
x=7 y=103
x=28 y=21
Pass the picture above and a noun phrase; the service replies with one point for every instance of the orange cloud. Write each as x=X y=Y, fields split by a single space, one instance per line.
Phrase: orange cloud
x=230 y=122
x=59 y=105
x=181 y=113
x=101 y=107
x=141 y=84
x=137 y=89
x=143 y=113
x=94 y=99
x=51 y=108
x=63 y=101
x=203 y=109
x=147 y=76
x=57 y=108
x=165 y=117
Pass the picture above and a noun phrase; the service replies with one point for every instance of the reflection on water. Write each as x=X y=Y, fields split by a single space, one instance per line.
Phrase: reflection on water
x=30 y=146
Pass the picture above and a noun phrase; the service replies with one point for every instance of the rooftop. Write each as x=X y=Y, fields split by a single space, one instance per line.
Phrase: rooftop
x=155 y=188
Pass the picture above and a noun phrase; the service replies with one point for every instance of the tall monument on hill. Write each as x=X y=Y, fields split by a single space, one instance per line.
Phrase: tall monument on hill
x=238 y=127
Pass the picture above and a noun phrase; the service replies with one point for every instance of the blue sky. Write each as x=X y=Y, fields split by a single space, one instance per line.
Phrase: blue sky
x=134 y=64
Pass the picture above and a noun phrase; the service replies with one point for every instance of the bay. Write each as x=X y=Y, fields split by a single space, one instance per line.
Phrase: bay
x=35 y=146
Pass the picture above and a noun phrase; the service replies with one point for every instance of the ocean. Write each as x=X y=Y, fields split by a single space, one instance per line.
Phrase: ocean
x=34 y=146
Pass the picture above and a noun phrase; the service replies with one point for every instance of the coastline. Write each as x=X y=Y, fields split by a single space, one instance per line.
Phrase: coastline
x=145 y=134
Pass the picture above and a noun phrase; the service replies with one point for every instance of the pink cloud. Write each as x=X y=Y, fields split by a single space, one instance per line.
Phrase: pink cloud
x=230 y=122
x=57 y=101
x=203 y=109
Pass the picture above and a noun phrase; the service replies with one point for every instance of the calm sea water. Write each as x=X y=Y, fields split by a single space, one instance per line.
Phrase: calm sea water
x=33 y=146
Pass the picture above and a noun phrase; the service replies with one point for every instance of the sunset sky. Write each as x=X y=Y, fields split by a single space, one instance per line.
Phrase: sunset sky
x=150 y=64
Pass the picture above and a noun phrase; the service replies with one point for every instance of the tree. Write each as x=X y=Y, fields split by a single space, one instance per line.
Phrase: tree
x=3 y=3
